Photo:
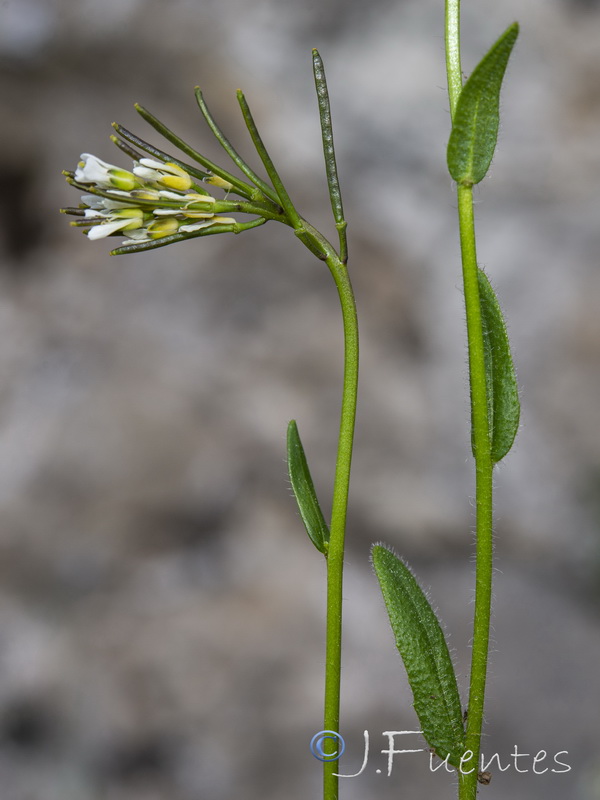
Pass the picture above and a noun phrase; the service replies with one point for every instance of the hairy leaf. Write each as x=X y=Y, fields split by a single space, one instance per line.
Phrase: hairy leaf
x=423 y=648
x=504 y=408
x=304 y=491
x=475 y=125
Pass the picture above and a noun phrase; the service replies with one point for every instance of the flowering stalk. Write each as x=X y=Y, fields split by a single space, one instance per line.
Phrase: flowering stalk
x=162 y=200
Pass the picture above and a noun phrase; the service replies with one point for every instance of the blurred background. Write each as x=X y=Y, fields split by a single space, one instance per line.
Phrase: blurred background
x=161 y=608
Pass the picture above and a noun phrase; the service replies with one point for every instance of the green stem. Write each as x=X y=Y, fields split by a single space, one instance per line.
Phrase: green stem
x=230 y=150
x=483 y=493
x=323 y=249
x=260 y=209
x=282 y=196
x=335 y=556
x=131 y=138
x=211 y=230
x=453 y=66
x=467 y=784
x=239 y=186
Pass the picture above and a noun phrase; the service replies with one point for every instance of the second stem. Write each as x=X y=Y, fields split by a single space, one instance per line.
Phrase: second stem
x=335 y=556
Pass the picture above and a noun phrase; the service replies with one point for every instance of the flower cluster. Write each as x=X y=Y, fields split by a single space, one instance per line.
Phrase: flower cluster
x=154 y=200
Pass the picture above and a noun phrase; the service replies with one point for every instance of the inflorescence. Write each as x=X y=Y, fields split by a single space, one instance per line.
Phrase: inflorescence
x=162 y=199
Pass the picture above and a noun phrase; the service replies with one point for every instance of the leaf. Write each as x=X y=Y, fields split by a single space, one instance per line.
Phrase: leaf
x=304 y=491
x=504 y=408
x=423 y=648
x=475 y=125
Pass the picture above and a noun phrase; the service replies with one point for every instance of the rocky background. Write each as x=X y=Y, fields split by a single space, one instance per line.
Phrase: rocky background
x=161 y=609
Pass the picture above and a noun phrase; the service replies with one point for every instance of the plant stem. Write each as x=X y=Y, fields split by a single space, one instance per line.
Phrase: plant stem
x=335 y=556
x=452 y=39
x=483 y=494
x=230 y=150
x=467 y=783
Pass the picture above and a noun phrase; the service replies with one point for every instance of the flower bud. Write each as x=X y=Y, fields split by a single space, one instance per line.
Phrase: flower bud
x=214 y=180
x=165 y=174
x=162 y=227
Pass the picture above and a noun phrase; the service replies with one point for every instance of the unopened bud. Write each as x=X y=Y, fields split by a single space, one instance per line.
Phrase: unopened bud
x=214 y=180
x=162 y=227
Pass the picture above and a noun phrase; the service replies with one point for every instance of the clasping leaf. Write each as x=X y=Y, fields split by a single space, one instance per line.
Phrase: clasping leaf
x=504 y=408
x=475 y=124
x=421 y=642
x=304 y=491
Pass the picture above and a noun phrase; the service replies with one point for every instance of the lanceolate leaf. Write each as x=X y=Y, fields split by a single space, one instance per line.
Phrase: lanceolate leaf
x=503 y=395
x=423 y=648
x=475 y=125
x=304 y=491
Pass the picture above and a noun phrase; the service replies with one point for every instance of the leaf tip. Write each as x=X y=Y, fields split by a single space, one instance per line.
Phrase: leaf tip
x=380 y=552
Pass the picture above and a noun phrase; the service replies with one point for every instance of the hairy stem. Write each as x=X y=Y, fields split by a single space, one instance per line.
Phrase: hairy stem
x=467 y=785
x=483 y=495
x=453 y=65
x=335 y=557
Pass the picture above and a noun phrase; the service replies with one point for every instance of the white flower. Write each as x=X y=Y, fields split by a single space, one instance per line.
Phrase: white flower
x=155 y=230
x=196 y=226
x=93 y=201
x=93 y=170
x=198 y=206
x=124 y=219
x=154 y=201
x=165 y=174
x=170 y=225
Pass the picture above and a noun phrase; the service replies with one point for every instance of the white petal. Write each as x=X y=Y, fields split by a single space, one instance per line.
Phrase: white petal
x=138 y=235
x=150 y=162
x=197 y=214
x=170 y=169
x=196 y=226
x=99 y=203
x=101 y=231
x=147 y=174
x=92 y=170
x=92 y=200
x=194 y=197
x=173 y=195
